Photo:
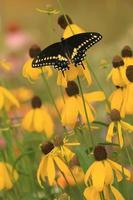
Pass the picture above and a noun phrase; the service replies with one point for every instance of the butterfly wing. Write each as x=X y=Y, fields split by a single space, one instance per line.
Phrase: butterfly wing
x=80 y=43
x=52 y=55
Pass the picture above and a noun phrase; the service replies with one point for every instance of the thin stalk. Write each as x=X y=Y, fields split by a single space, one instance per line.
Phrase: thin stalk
x=102 y=196
x=78 y=187
x=63 y=11
x=98 y=83
x=100 y=123
x=128 y=155
x=124 y=179
x=86 y=114
x=50 y=93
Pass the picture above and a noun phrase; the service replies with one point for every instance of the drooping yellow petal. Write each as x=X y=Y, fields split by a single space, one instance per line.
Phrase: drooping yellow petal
x=82 y=110
x=116 y=77
x=116 y=193
x=88 y=174
x=126 y=126
x=5 y=65
x=120 y=134
x=109 y=176
x=38 y=120
x=110 y=132
x=61 y=165
x=27 y=122
x=39 y=172
x=71 y=30
x=91 y=193
x=70 y=112
x=8 y=176
x=51 y=170
x=67 y=154
x=98 y=176
x=128 y=61
x=48 y=125
x=118 y=175
x=86 y=73
x=29 y=72
x=110 y=74
x=10 y=97
x=42 y=170
x=94 y=96
x=128 y=102
x=125 y=101
x=1 y=100
x=116 y=99
x=120 y=168
x=61 y=80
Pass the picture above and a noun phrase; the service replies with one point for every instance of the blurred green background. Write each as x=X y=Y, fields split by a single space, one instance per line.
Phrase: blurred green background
x=112 y=18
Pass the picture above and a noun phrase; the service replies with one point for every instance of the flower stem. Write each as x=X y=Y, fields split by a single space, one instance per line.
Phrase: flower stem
x=50 y=93
x=86 y=114
x=98 y=83
x=63 y=11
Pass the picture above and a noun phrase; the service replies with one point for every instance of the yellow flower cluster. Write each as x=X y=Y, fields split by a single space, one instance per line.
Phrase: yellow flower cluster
x=122 y=78
x=121 y=99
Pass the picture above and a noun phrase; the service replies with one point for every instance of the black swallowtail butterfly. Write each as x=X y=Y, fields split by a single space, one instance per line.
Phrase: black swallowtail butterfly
x=70 y=50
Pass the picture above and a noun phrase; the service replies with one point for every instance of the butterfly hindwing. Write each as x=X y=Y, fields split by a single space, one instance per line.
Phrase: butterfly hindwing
x=80 y=43
x=53 y=55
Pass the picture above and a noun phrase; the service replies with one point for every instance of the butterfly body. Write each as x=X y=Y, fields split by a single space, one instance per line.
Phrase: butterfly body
x=69 y=51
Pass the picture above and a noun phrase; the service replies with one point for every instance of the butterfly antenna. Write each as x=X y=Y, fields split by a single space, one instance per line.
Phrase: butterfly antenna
x=82 y=65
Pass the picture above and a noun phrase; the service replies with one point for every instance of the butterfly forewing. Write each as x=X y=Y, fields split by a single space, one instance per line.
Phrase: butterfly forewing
x=80 y=43
x=53 y=55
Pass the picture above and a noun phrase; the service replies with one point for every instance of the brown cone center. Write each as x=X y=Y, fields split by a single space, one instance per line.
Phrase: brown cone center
x=36 y=102
x=129 y=73
x=100 y=153
x=72 y=88
x=63 y=22
x=117 y=62
x=126 y=52
x=47 y=147
x=34 y=51
x=115 y=115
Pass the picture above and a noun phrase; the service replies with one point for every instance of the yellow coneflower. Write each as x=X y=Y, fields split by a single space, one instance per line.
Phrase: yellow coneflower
x=6 y=98
x=34 y=73
x=77 y=175
x=73 y=110
x=8 y=176
x=118 y=124
x=127 y=55
x=71 y=74
x=63 y=146
x=49 y=162
x=38 y=119
x=116 y=73
x=23 y=94
x=101 y=174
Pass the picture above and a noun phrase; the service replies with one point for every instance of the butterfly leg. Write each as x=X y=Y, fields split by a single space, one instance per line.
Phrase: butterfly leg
x=82 y=65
